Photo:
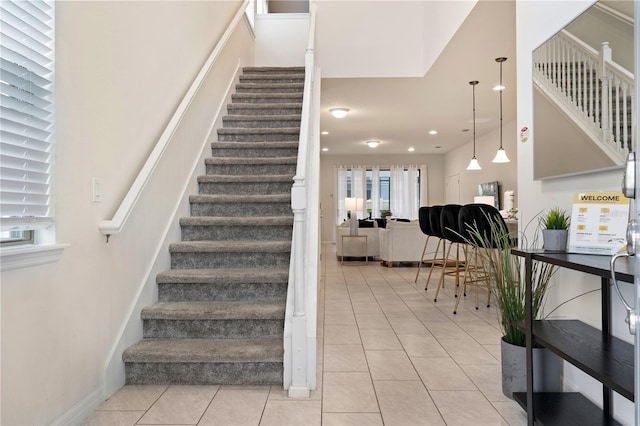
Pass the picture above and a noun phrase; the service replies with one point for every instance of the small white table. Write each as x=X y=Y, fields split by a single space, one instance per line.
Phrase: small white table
x=355 y=237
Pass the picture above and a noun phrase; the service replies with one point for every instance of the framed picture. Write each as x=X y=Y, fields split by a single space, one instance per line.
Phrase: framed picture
x=491 y=189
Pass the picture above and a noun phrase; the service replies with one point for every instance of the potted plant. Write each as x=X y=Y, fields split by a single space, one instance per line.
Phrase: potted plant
x=507 y=285
x=555 y=229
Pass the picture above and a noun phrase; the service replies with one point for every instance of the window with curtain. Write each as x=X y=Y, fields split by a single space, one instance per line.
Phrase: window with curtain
x=26 y=118
x=395 y=190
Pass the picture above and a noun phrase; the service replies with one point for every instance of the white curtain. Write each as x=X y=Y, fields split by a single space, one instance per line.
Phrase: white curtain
x=404 y=202
x=359 y=188
x=341 y=194
x=413 y=197
x=396 y=185
x=375 y=191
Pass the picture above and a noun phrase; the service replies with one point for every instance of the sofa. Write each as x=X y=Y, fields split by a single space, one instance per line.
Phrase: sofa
x=403 y=242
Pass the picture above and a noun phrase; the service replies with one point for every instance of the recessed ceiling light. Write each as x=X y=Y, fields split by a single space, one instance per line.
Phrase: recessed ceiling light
x=499 y=87
x=433 y=132
x=325 y=149
x=411 y=149
x=339 y=112
x=324 y=133
x=373 y=144
x=437 y=147
x=465 y=130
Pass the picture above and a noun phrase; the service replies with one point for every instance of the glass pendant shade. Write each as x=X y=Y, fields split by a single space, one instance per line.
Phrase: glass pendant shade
x=501 y=156
x=474 y=165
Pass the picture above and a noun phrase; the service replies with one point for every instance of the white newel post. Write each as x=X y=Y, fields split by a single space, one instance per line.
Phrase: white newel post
x=299 y=386
x=605 y=55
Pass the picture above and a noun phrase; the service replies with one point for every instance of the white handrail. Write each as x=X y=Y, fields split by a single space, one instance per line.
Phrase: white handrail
x=115 y=225
x=585 y=84
x=303 y=270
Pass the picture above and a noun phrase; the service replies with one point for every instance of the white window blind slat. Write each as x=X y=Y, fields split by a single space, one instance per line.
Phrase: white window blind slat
x=24 y=107
x=23 y=96
x=21 y=56
x=26 y=47
x=25 y=82
x=23 y=153
x=22 y=11
x=26 y=119
x=26 y=113
x=8 y=30
x=11 y=126
x=22 y=209
x=19 y=140
x=24 y=176
x=22 y=164
x=23 y=187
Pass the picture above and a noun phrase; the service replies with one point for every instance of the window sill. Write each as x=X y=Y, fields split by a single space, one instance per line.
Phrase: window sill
x=26 y=256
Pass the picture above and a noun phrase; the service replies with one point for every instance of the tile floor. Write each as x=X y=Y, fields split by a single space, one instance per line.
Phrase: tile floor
x=387 y=355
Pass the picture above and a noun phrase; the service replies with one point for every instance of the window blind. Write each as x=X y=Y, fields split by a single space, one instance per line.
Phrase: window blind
x=26 y=113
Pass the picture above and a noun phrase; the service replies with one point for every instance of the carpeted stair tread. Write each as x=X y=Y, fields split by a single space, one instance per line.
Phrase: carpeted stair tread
x=277 y=70
x=291 y=77
x=213 y=311
x=275 y=86
x=225 y=198
x=251 y=160
x=236 y=221
x=263 y=107
x=205 y=350
x=273 y=117
x=230 y=246
x=259 y=131
x=266 y=97
x=255 y=145
x=244 y=178
x=237 y=276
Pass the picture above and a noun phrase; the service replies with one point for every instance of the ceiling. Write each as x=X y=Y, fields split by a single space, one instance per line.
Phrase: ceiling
x=400 y=112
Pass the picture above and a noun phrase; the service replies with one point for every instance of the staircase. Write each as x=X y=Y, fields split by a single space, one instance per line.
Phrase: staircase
x=591 y=89
x=220 y=314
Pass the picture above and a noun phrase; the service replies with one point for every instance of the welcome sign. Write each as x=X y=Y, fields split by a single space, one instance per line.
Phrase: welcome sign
x=598 y=222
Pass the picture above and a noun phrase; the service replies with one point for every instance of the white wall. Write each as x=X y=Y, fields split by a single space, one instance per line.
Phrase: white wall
x=457 y=160
x=281 y=39
x=122 y=69
x=394 y=38
x=433 y=193
x=536 y=22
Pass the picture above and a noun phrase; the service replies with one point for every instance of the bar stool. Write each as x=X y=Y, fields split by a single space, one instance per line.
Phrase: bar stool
x=425 y=227
x=449 y=230
x=446 y=262
x=483 y=219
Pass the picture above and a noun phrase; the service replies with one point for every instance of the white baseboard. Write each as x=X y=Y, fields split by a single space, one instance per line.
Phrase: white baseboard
x=83 y=408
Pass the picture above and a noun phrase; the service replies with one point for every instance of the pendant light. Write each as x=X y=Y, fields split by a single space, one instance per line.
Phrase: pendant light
x=473 y=164
x=501 y=155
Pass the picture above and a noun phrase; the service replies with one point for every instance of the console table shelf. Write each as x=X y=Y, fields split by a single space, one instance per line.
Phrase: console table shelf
x=605 y=358
x=564 y=409
x=600 y=355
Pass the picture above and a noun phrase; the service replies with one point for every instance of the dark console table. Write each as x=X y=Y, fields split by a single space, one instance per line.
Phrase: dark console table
x=594 y=351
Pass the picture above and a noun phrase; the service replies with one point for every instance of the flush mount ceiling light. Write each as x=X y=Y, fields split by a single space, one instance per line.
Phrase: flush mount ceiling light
x=373 y=144
x=411 y=149
x=324 y=132
x=325 y=149
x=433 y=132
x=339 y=112
x=501 y=155
x=473 y=164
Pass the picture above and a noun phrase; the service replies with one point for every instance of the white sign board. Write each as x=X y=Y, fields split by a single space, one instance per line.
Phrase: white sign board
x=598 y=223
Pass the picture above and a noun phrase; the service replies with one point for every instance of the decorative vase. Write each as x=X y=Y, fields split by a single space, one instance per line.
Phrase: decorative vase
x=555 y=239
x=353 y=225
x=547 y=369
